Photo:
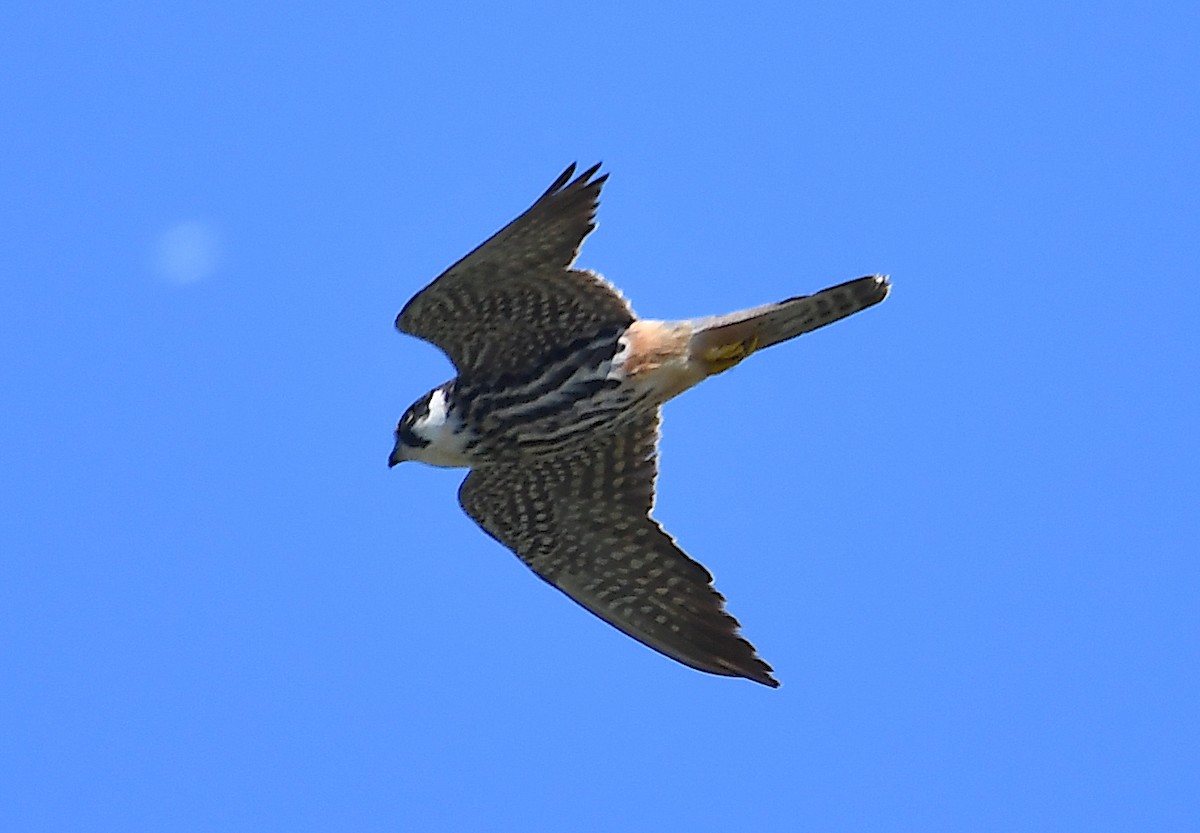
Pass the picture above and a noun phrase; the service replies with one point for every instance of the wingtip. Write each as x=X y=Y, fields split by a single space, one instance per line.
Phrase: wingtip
x=759 y=672
x=561 y=180
x=741 y=661
x=590 y=172
x=567 y=179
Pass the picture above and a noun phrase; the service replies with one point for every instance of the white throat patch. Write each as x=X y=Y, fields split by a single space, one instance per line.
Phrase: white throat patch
x=430 y=425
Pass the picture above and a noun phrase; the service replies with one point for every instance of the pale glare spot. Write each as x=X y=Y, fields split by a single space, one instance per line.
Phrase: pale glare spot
x=187 y=252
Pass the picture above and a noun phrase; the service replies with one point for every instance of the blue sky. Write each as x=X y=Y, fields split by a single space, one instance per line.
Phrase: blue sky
x=963 y=526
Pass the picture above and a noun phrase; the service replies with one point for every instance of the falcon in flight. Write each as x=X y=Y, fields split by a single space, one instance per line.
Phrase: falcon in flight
x=555 y=410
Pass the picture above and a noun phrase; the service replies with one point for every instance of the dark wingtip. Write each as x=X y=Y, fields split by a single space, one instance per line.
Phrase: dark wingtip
x=590 y=172
x=767 y=680
x=757 y=671
x=561 y=180
x=740 y=659
x=564 y=182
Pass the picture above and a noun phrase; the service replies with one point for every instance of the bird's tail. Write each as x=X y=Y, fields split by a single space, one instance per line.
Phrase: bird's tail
x=721 y=341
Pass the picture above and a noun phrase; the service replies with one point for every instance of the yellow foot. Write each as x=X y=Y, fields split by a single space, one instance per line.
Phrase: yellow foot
x=725 y=356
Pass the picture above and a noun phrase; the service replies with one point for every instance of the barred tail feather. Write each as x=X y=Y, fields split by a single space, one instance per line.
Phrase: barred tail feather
x=724 y=340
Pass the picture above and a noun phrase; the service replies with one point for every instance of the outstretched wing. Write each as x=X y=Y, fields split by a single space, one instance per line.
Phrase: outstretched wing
x=515 y=298
x=581 y=520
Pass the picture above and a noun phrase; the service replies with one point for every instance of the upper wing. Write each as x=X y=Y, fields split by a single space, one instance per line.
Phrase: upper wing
x=515 y=298
x=582 y=521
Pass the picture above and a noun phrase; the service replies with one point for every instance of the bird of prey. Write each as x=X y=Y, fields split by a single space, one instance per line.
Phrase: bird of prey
x=555 y=410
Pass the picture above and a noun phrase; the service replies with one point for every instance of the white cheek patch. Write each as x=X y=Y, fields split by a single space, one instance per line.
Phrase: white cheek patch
x=437 y=410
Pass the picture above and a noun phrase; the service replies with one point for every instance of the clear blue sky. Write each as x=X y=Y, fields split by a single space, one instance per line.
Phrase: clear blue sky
x=963 y=526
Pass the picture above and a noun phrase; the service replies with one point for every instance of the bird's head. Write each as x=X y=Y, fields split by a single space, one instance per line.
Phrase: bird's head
x=430 y=431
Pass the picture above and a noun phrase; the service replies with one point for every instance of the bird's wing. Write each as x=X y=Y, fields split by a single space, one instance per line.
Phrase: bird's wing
x=515 y=298
x=581 y=520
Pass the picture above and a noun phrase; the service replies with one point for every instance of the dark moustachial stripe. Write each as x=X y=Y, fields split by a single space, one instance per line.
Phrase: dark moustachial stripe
x=407 y=437
x=419 y=410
